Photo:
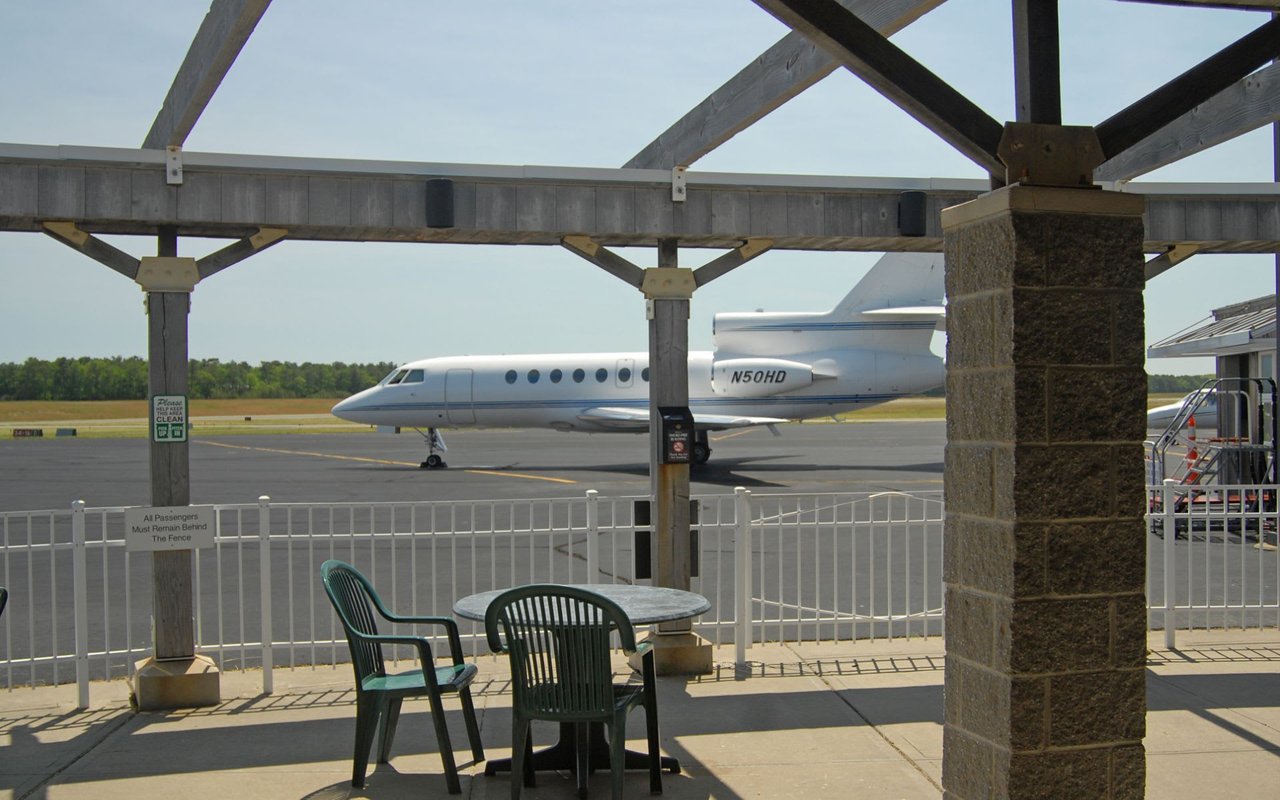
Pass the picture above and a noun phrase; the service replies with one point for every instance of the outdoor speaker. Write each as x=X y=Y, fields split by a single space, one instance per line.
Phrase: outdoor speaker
x=439 y=203
x=911 y=213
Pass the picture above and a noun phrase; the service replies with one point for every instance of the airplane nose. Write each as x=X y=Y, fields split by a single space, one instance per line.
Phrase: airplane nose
x=350 y=408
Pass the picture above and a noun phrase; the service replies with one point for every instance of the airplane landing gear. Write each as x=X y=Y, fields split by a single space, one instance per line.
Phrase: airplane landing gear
x=701 y=448
x=435 y=442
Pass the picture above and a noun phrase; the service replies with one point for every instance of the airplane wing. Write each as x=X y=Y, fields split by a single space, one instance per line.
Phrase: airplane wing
x=637 y=419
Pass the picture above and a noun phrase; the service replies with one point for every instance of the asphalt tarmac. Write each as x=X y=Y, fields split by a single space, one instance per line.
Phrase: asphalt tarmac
x=51 y=473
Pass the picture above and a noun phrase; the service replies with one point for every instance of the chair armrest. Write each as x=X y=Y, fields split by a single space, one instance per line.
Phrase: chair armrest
x=423 y=646
x=641 y=648
x=449 y=623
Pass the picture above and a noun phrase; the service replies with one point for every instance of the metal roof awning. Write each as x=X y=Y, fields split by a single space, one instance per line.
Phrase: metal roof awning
x=1240 y=328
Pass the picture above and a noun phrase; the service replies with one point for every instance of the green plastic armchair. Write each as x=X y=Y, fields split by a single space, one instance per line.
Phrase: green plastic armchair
x=557 y=638
x=378 y=694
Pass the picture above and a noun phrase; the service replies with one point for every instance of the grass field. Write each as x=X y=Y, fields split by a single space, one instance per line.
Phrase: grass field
x=128 y=418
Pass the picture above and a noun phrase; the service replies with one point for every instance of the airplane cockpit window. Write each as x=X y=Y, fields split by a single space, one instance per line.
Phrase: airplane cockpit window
x=511 y=376
x=534 y=375
x=414 y=376
x=644 y=374
x=579 y=375
x=389 y=376
x=555 y=375
x=397 y=376
x=602 y=375
x=624 y=375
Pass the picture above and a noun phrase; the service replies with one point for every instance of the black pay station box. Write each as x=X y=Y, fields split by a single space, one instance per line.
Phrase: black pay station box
x=676 y=434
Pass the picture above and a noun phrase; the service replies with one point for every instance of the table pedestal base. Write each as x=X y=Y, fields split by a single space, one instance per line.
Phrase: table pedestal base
x=562 y=756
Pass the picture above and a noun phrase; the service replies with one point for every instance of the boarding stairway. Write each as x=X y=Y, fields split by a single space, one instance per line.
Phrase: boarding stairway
x=1239 y=451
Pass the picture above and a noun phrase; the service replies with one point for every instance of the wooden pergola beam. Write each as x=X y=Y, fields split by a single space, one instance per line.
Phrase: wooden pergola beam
x=780 y=73
x=218 y=41
x=906 y=82
x=1244 y=106
x=1193 y=87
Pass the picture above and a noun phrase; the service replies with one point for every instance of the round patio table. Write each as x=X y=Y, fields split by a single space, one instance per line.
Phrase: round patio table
x=643 y=605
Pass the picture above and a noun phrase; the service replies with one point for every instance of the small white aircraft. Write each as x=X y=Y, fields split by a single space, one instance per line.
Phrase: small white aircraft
x=766 y=368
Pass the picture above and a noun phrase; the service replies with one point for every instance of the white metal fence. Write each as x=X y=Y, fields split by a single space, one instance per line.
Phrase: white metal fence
x=776 y=568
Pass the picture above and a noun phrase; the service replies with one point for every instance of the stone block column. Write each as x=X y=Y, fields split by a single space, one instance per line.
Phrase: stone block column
x=1045 y=544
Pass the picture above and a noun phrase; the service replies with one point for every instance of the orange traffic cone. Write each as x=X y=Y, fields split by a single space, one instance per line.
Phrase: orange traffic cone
x=1192 y=455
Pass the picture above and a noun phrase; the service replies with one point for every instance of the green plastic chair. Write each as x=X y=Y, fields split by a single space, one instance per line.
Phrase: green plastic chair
x=557 y=638
x=378 y=694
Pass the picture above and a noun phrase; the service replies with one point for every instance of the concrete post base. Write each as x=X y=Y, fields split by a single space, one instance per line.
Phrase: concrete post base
x=176 y=684
x=678 y=654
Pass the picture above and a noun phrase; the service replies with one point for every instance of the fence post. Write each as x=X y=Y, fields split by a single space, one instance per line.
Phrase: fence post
x=593 y=535
x=1170 y=534
x=264 y=587
x=742 y=633
x=80 y=601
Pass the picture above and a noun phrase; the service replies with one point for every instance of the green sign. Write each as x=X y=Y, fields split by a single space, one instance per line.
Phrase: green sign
x=169 y=418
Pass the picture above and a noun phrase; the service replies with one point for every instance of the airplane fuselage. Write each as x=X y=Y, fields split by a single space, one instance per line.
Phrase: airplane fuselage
x=565 y=391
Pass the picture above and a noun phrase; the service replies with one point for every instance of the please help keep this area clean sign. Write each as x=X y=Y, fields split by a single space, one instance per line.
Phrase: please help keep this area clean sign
x=169 y=527
x=169 y=418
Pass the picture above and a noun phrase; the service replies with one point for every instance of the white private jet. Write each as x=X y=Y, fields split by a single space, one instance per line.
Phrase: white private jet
x=766 y=368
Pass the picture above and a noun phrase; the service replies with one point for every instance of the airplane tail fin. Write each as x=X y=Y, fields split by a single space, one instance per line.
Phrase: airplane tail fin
x=896 y=307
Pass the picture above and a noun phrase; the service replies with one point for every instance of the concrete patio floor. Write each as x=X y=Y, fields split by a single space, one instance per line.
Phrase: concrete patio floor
x=809 y=721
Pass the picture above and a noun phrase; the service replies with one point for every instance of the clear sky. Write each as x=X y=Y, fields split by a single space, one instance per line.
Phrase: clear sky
x=553 y=82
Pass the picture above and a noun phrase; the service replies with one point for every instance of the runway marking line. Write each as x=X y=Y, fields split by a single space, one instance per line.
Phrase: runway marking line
x=381 y=461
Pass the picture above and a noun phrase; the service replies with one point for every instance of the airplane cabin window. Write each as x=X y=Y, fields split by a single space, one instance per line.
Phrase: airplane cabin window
x=624 y=375
x=511 y=376
x=644 y=374
x=602 y=375
x=579 y=375
x=414 y=376
x=555 y=375
x=534 y=375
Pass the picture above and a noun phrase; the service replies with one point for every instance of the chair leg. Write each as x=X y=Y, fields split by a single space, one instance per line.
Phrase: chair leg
x=520 y=761
x=582 y=737
x=473 y=728
x=446 y=749
x=390 y=718
x=617 y=752
x=367 y=709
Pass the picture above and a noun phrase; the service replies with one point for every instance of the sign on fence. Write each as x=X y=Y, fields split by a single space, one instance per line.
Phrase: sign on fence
x=169 y=527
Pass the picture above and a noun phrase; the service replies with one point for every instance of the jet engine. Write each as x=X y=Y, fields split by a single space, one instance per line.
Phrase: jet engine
x=758 y=377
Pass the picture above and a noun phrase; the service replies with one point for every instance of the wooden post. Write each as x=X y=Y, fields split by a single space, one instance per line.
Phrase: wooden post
x=171 y=586
x=677 y=649
x=175 y=677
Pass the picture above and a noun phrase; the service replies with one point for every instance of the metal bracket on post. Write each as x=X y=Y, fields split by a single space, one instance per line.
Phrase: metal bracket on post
x=168 y=274
x=1050 y=155
x=679 y=184
x=173 y=165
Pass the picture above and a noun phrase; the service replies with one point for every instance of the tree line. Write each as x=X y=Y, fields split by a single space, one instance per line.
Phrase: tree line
x=121 y=378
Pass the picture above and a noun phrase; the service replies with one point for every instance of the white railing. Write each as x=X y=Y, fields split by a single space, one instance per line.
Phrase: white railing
x=776 y=568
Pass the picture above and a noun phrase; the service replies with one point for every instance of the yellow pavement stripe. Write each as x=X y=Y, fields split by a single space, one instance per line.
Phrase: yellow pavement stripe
x=379 y=461
x=519 y=475
x=739 y=432
x=309 y=453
